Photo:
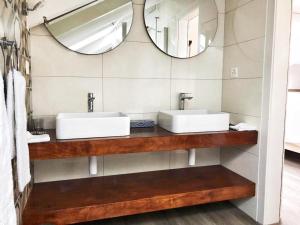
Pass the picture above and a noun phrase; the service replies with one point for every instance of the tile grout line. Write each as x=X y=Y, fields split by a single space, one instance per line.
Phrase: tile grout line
x=242 y=114
x=244 y=41
x=243 y=78
x=240 y=6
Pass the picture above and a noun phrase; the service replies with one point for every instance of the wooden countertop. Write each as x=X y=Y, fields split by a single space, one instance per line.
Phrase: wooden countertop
x=140 y=140
x=74 y=201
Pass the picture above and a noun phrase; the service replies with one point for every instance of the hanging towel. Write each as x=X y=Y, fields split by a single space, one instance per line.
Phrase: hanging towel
x=22 y=151
x=7 y=206
x=37 y=138
x=10 y=111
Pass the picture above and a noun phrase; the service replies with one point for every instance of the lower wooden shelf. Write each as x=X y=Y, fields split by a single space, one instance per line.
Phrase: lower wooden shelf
x=74 y=201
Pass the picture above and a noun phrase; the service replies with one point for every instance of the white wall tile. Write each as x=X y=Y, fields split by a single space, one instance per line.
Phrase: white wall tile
x=249 y=206
x=208 y=157
x=247 y=57
x=220 y=5
x=52 y=95
x=48 y=122
x=254 y=121
x=246 y=165
x=49 y=58
x=136 y=95
x=233 y=4
x=207 y=65
x=179 y=159
x=207 y=93
x=62 y=169
x=138 y=2
x=136 y=60
x=137 y=162
x=246 y=22
x=241 y=162
x=236 y=118
x=138 y=30
x=219 y=37
x=204 y=157
x=242 y=96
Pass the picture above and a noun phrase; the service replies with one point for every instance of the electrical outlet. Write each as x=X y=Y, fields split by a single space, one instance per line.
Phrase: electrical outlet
x=234 y=72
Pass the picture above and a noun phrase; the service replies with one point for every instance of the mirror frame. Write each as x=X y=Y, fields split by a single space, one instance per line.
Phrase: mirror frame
x=46 y=21
x=176 y=57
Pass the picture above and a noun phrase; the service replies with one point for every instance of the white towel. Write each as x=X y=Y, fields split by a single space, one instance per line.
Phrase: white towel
x=22 y=151
x=37 y=138
x=243 y=127
x=10 y=105
x=7 y=207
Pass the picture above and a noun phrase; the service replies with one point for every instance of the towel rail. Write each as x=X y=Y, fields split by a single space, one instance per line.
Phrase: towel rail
x=7 y=53
x=12 y=57
x=5 y=43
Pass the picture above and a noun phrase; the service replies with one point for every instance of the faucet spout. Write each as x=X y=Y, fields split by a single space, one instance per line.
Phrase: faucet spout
x=93 y=164
x=91 y=100
x=182 y=98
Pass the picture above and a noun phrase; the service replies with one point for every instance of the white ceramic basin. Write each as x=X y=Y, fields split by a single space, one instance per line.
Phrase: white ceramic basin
x=90 y=125
x=187 y=121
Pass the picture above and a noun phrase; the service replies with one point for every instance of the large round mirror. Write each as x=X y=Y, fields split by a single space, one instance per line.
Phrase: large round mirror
x=95 y=28
x=181 y=28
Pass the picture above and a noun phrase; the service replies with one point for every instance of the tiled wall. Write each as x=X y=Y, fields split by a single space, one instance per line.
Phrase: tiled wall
x=135 y=78
x=244 y=45
x=10 y=11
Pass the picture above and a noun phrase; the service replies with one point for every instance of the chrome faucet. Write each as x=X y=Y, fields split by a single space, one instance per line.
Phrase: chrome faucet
x=182 y=98
x=91 y=100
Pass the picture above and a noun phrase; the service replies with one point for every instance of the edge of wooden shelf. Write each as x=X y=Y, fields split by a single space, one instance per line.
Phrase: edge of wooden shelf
x=140 y=140
x=74 y=201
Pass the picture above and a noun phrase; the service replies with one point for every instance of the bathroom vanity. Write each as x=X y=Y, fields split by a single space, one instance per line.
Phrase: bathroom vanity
x=74 y=201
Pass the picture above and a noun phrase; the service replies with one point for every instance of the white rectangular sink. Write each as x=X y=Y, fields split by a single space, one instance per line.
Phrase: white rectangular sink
x=91 y=125
x=188 y=121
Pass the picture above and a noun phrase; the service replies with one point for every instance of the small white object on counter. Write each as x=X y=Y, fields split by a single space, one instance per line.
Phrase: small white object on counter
x=243 y=127
x=37 y=138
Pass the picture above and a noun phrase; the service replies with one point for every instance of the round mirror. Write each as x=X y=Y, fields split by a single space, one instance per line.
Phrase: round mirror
x=94 y=28
x=181 y=29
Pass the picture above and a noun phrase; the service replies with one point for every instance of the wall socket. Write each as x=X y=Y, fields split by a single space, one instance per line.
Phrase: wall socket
x=234 y=72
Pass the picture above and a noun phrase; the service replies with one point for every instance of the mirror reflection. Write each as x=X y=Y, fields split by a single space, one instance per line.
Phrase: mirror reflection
x=181 y=29
x=95 y=28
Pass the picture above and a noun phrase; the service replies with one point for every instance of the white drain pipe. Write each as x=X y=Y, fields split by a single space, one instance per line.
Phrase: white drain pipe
x=192 y=157
x=93 y=165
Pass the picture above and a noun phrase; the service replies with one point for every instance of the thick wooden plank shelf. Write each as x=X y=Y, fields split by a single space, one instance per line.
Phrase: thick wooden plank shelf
x=140 y=140
x=73 y=201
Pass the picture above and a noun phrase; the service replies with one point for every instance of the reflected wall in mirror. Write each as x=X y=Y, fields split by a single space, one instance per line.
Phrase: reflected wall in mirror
x=181 y=29
x=95 y=28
